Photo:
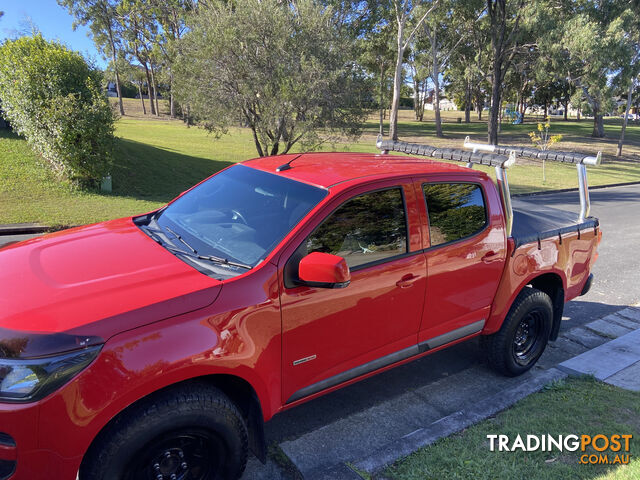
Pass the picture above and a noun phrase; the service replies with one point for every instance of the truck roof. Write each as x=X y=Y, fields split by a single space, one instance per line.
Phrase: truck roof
x=329 y=169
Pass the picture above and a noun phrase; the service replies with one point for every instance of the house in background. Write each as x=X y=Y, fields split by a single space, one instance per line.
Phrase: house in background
x=445 y=103
x=111 y=89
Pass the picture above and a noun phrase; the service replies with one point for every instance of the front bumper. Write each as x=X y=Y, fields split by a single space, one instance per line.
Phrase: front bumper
x=21 y=456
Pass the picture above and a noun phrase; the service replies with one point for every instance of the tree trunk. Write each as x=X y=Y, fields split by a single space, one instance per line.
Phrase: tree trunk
x=545 y=111
x=155 y=90
x=494 y=111
x=382 y=109
x=598 y=124
x=467 y=103
x=626 y=113
x=578 y=114
x=416 y=97
x=397 y=83
x=144 y=109
x=146 y=70
x=172 y=107
x=115 y=69
x=566 y=110
x=436 y=105
x=436 y=84
x=257 y=141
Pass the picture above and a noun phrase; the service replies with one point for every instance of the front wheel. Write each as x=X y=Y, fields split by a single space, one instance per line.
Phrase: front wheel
x=192 y=432
x=524 y=334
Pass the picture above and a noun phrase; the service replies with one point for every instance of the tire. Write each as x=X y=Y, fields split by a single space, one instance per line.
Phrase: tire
x=193 y=432
x=524 y=334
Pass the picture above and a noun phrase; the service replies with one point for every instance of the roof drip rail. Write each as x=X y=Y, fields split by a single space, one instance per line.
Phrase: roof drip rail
x=579 y=159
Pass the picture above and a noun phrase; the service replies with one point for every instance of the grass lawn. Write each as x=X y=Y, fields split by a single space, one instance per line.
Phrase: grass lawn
x=575 y=406
x=156 y=158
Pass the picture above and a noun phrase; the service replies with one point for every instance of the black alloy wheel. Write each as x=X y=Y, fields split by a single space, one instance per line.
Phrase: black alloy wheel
x=524 y=334
x=189 y=454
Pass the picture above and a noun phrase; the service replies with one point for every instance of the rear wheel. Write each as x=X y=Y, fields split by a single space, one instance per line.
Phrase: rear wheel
x=189 y=433
x=524 y=334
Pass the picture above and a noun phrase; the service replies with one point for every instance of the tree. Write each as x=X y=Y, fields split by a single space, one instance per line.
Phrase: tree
x=100 y=15
x=592 y=46
x=405 y=11
x=466 y=72
x=377 y=57
x=443 y=32
x=54 y=99
x=285 y=70
x=504 y=27
x=171 y=15
x=418 y=66
x=138 y=27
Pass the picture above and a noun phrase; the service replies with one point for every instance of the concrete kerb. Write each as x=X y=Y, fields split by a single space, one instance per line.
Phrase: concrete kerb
x=23 y=228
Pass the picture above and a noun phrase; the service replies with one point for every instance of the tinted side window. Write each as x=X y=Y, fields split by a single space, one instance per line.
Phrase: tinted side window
x=456 y=210
x=365 y=229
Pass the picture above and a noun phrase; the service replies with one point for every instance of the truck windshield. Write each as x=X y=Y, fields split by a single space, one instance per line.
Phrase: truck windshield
x=233 y=220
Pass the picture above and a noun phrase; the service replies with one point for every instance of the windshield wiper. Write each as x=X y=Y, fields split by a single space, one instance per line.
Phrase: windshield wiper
x=180 y=239
x=193 y=253
x=211 y=258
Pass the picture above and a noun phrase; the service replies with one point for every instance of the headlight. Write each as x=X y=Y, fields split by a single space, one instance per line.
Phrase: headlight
x=32 y=379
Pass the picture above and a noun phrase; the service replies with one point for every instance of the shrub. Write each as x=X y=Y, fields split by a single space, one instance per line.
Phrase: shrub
x=52 y=97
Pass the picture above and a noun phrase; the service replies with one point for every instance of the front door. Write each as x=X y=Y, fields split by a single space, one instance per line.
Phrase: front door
x=334 y=335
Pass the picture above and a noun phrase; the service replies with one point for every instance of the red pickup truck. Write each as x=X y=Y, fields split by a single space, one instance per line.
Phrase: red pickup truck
x=154 y=347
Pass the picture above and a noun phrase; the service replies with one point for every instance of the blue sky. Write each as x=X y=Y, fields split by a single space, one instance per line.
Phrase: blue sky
x=51 y=19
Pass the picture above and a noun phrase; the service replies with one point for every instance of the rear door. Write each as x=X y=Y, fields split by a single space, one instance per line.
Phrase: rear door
x=331 y=336
x=465 y=252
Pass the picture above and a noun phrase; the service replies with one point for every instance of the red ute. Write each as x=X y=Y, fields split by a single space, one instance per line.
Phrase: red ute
x=155 y=347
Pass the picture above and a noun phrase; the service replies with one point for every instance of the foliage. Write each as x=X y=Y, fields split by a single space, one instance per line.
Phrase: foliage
x=155 y=160
x=53 y=97
x=284 y=70
x=541 y=138
x=543 y=141
x=589 y=44
x=100 y=16
x=374 y=221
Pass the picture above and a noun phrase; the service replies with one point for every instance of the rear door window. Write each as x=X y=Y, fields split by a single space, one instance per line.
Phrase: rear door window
x=456 y=211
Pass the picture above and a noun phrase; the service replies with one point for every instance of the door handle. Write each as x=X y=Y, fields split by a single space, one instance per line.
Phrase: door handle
x=407 y=280
x=490 y=256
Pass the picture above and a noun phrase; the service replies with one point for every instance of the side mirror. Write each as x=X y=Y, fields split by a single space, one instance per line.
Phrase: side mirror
x=324 y=270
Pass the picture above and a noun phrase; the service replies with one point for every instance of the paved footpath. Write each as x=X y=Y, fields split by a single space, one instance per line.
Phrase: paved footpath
x=618 y=361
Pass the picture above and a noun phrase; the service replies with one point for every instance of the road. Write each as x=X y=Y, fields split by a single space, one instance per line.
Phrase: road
x=617 y=280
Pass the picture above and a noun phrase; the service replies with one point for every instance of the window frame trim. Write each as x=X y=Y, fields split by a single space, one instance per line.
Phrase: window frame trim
x=380 y=261
x=487 y=219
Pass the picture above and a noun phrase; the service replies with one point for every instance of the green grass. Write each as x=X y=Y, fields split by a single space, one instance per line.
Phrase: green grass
x=577 y=406
x=157 y=158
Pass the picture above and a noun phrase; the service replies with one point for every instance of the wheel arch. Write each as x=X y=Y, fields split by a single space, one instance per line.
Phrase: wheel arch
x=239 y=391
x=552 y=285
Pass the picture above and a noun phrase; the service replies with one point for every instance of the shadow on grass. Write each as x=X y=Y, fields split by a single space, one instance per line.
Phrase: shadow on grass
x=155 y=174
